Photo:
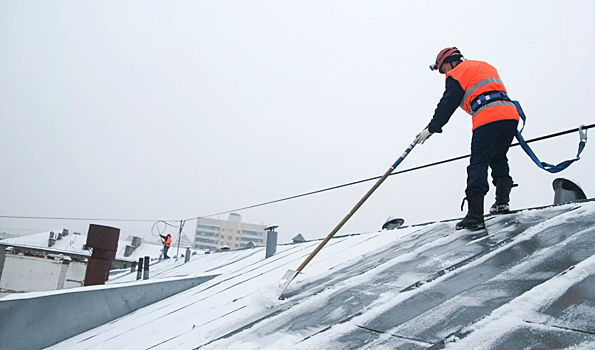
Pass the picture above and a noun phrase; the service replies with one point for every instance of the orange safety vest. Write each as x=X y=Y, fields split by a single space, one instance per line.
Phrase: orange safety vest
x=168 y=241
x=477 y=78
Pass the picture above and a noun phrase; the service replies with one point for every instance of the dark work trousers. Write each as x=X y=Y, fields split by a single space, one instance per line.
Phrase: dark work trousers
x=165 y=249
x=489 y=146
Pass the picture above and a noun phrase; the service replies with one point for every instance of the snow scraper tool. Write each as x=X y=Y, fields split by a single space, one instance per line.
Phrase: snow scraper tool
x=291 y=274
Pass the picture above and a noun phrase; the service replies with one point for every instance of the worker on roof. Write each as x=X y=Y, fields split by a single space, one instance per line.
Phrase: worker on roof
x=476 y=87
x=166 y=244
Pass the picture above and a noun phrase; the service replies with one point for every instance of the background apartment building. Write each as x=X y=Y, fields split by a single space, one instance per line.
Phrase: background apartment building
x=212 y=234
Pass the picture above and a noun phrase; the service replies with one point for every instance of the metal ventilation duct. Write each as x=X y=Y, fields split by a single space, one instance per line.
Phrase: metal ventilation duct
x=566 y=191
x=392 y=223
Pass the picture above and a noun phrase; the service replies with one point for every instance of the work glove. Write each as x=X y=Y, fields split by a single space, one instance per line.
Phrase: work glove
x=422 y=136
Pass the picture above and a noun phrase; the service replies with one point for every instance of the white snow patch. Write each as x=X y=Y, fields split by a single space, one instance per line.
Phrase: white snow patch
x=248 y=289
x=587 y=345
x=265 y=297
x=490 y=330
x=280 y=341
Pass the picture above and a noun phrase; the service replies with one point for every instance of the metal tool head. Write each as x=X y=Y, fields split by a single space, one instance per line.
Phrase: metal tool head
x=286 y=280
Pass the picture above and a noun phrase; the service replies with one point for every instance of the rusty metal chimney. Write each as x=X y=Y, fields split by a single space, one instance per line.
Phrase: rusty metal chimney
x=104 y=241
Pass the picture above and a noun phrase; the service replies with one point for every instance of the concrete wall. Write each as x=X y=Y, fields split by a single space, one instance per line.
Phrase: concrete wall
x=29 y=274
x=75 y=276
x=116 y=264
x=25 y=273
x=40 y=320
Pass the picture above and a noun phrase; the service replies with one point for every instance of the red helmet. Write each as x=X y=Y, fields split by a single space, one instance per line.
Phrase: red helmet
x=442 y=55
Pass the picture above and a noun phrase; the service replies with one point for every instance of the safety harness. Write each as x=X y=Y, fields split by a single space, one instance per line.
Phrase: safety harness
x=491 y=97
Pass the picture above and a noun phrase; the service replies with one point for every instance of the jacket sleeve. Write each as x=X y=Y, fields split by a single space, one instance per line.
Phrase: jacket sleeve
x=162 y=236
x=451 y=99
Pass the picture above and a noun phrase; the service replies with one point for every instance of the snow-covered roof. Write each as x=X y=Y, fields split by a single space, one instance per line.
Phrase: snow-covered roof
x=73 y=243
x=529 y=284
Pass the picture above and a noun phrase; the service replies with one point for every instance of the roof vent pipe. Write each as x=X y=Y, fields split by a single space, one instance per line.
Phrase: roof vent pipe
x=392 y=223
x=298 y=239
x=566 y=191
x=139 y=269
x=187 y=256
x=271 y=248
x=146 y=267
x=52 y=239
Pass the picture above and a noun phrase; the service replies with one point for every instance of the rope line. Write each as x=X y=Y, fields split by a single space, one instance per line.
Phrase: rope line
x=395 y=173
x=561 y=133
x=77 y=219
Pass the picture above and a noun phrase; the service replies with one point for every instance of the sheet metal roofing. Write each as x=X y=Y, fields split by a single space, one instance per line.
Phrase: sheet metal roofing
x=530 y=284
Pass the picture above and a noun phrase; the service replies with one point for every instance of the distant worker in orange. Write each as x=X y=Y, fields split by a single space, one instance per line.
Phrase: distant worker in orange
x=166 y=244
x=476 y=87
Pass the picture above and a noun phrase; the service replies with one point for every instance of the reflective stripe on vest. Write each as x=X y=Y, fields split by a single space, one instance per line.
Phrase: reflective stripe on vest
x=477 y=86
x=478 y=78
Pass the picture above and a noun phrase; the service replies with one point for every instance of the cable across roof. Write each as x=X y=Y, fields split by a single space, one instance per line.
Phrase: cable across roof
x=541 y=138
x=561 y=133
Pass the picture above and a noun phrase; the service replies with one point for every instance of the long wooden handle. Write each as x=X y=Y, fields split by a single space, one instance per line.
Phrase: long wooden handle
x=357 y=206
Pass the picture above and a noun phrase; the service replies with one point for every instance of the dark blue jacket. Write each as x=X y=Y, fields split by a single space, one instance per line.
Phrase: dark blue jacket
x=451 y=99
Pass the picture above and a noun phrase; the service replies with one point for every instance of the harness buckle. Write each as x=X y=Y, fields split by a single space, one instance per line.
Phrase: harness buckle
x=582 y=131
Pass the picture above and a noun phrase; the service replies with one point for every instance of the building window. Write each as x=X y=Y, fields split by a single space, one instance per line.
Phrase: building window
x=253 y=240
x=253 y=233
x=229 y=237
x=209 y=227
x=207 y=234
x=204 y=240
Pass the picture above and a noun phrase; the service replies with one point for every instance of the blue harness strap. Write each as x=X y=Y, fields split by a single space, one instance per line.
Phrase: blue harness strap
x=485 y=99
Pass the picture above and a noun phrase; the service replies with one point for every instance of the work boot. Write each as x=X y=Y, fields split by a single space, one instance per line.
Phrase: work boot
x=503 y=187
x=474 y=219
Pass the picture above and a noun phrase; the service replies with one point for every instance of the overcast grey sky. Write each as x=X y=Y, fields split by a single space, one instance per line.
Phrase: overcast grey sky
x=177 y=109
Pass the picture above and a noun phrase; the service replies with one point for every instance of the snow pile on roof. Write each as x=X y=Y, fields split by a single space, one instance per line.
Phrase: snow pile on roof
x=73 y=243
x=530 y=283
